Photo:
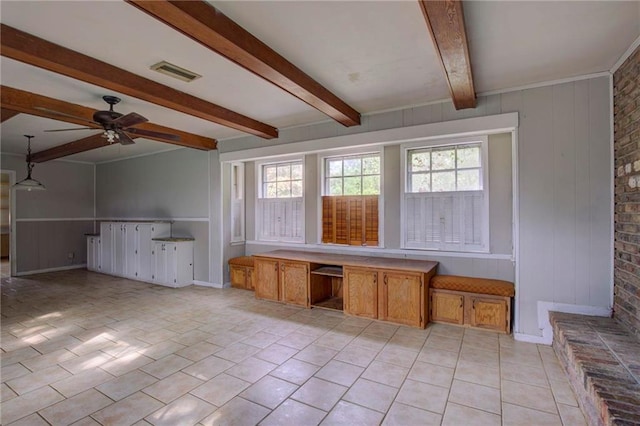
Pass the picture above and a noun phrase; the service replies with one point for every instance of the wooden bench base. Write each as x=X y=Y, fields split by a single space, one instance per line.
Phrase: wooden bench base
x=476 y=310
x=241 y=272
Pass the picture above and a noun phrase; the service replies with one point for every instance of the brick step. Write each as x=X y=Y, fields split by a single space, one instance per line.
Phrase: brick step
x=602 y=360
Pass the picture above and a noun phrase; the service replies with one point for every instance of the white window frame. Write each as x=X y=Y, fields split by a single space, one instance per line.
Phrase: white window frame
x=237 y=202
x=322 y=188
x=484 y=247
x=283 y=204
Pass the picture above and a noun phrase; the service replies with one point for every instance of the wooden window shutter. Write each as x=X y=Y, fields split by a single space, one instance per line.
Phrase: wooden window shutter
x=370 y=220
x=340 y=220
x=355 y=220
x=350 y=220
x=327 y=219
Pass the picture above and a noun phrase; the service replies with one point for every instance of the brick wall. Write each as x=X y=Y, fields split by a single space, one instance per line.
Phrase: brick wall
x=626 y=98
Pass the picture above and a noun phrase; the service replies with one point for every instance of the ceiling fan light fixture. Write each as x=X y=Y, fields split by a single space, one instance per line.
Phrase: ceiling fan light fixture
x=175 y=71
x=29 y=183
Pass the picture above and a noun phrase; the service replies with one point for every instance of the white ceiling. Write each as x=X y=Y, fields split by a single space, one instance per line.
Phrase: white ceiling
x=373 y=55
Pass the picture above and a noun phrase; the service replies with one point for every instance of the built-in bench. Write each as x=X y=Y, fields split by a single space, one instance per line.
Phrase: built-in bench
x=602 y=360
x=241 y=271
x=472 y=302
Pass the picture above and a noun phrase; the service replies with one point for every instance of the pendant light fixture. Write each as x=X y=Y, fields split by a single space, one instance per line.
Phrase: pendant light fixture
x=29 y=183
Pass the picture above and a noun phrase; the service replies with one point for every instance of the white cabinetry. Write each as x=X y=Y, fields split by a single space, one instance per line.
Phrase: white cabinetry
x=173 y=265
x=126 y=248
x=93 y=253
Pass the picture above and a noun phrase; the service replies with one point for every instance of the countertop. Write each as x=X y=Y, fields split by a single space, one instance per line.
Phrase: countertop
x=426 y=266
x=92 y=234
x=174 y=239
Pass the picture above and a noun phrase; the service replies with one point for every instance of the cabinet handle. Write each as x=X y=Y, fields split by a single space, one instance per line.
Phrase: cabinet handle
x=386 y=280
x=375 y=278
x=461 y=303
x=136 y=227
x=282 y=267
x=474 y=304
x=276 y=265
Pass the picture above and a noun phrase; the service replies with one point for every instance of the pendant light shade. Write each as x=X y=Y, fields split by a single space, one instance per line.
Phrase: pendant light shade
x=29 y=183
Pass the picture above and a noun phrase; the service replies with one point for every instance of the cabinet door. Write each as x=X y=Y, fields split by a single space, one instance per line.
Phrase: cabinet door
x=118 y=250
x=266 y=279
x=144 y=246
x=447 y=307
x=402 y=298
x=160 y=264
x=249 y=283
x=171 y=254
x=130 y=250
x=490 y=313
x=91 y=260
x=238 y=276
x=360 y=291
x=295 y=283
x=106 y=253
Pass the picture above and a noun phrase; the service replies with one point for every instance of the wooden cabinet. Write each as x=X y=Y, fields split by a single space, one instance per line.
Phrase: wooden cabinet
x=402 y=298
x=490 y=312
x=267 y=279
x=471 y=309
x=173 y=265
x=294 y=283
x=282 y=280
x=93 y=253
x=447 y=307
x=361 y=292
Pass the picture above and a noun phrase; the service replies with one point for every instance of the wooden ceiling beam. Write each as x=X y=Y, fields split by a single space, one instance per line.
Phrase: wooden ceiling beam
x=445 y=20
x=75 y=147
x=6 y=114
x=43 y=106
x=206 y=25
x=24 y=47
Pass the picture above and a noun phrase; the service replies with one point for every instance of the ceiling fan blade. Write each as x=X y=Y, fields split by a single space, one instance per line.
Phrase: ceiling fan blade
x=152 y=134
x=125 y=139
x=52 y=111
x=129 y=120
x=66 y=130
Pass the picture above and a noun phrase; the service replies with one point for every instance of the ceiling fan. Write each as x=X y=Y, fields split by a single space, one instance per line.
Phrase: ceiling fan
x=116 y=125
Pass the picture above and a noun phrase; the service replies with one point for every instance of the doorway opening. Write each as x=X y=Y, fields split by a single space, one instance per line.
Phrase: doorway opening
x=7 y=210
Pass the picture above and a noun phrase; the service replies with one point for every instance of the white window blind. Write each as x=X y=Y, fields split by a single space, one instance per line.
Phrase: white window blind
x=282 y=219
x=280 y=209
x=445 y=221
x=445 y=204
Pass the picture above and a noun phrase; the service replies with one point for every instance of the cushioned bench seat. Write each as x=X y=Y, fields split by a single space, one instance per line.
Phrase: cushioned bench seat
x=472 y=302
x=473 y=285
x=241 y=272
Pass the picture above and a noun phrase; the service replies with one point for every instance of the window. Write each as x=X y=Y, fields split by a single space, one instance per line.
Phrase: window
x=446 y=197
x=350 y=203
x=237 y=202
x=281 y=202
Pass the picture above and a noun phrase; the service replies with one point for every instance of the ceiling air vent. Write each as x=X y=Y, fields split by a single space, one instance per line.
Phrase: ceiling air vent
x=175 y=71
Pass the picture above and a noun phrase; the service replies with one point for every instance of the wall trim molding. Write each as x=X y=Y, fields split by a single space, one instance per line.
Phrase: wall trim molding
x=489 y=124
x=545 y=325
x=546 y=83
x=42 y=271
x=355 y=249
x=56 y=219
x=625 y=55
x=158 y=219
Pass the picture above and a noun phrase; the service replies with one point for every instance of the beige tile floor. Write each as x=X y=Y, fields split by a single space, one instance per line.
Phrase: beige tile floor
x=87 y=349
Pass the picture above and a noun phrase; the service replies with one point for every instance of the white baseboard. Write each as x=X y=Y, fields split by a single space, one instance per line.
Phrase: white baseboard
x=545 y=326
x=42 y=271
x=208 y=284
